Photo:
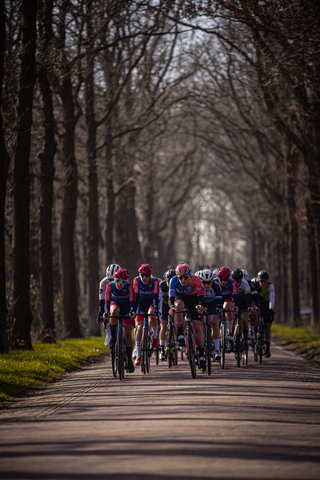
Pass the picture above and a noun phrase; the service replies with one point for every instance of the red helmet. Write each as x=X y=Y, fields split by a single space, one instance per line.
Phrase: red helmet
x=145 y=268
x=122 y=274
x=183 y=269
x=224 y=273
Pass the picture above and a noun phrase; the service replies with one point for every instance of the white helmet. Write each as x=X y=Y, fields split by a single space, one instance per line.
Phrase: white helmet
x=111 y=269
x=206 y=275
x=245 y=274
x=215 y=272
x=198 y=273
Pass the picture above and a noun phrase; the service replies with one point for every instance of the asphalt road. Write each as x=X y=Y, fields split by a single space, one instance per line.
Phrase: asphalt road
x=253 y=422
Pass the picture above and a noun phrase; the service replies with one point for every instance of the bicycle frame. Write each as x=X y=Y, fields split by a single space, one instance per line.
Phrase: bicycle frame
x=119 y=355
x=207 y=340
x=146 y=344
x=171 y=347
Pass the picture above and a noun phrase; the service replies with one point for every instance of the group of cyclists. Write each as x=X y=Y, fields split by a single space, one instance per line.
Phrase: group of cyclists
x=205 y=291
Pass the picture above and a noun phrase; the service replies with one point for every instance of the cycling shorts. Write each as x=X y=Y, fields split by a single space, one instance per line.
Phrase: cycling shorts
x=124 y=310
x=140 y=318
x=190 y=301
x=144 y=306
x=165 y=311
x=212 y=307
x=267 y=316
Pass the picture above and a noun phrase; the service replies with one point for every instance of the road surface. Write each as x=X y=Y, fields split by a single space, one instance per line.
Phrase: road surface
x=253 y=422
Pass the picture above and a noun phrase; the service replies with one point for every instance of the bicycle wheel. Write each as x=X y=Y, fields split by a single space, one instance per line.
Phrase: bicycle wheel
x=170 y=346
x=245 y=355
x=148 y=352
x=223 y=346
x=255 y=348
x=237 y=345
x=144 y=350
x=191 y=353
x=157 y=356
x=113 y=361
x=208 y=347
x=120 y=357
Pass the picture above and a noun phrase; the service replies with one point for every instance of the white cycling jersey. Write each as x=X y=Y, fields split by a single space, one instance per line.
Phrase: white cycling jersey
x=102 y=288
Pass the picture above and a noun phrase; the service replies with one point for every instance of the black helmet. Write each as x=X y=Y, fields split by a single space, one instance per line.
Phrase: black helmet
x=263 y=274
x=170 y=273
x=237 y=274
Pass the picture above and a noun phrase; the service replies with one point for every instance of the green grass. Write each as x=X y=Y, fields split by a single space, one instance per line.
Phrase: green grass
x=21 y=369
x=299 y=336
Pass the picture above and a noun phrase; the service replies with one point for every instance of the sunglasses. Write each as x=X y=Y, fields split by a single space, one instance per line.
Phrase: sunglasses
x=262 y=280
x=223 y=279
x=145 y=275
x=122 y=282
x=183 y=277
x=204 y=282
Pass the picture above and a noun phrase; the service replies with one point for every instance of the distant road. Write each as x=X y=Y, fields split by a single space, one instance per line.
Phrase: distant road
x=253 y=422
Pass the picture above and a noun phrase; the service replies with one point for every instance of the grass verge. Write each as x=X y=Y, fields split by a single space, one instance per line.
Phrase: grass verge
x=301 y=340
x=21 y=369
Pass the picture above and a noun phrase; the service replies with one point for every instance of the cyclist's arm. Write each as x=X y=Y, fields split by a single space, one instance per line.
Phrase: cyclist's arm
x=156 y=294
x=108 y=299
x=271 y=296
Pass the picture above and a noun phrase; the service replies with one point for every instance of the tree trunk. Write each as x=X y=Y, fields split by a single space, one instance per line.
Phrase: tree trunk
x=109 y=253
x=293 y=236
x=21 y=313
x=4 y=166
x=46 y=157
x=68 y=215
x=92 y=270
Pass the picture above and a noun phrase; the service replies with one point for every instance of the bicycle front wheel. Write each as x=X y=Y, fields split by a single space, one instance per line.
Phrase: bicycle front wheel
x=237 y=346
x=191 y=354
x=208 y=347
x=113 y=361
x=144 y=352
x=120 y=357
x=170 y=346
x=223 y=346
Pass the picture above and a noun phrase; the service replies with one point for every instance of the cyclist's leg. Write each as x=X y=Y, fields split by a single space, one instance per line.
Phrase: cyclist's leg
x=153 y=323
x=245 y=326
x=138 y=336
x=215 y=330
x=229 y=316
x=162 y=335
x=179 y=305
x=267 y=317
x=114 y=311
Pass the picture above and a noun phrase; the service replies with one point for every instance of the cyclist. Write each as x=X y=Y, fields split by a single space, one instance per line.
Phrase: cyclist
x=164 y=309
x=102 y=293
x=212 y=297
x=185 y=290
x=244 y=300
x=146 y=289
x=229 y=298
x=254 y=305
x=120 y=299
x=266 y=305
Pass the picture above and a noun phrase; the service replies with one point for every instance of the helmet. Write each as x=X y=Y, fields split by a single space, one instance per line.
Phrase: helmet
x=122 y=274
x=224 y=273
x=170 y=273
x=206 y=275
x=183 y=269
x=237 y=274
x=245 y=274
x=215 y=272
x=198 y=273
x=263 y=274
x=111 y=269
x=145 y=268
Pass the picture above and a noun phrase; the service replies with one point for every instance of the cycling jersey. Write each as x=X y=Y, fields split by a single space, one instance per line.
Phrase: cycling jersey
x=244 y=295
x=254 y=293
x=212 y=294
x=164 y=298
x=193 y=287
x=229 y=290
x=146 y=295
x=102 y=293
x=266 y=296
x=124 y=297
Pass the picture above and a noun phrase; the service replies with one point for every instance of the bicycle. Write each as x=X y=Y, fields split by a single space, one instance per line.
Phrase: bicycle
x=171 y=347
x=207 y=340
x=223 y=334
x=119 y=356
x=192 y=352
x=241 y=348
x=259 y=345
x=146 y=344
